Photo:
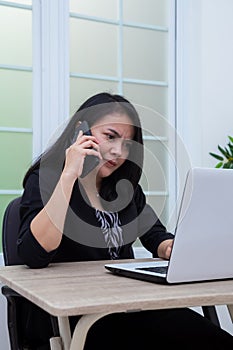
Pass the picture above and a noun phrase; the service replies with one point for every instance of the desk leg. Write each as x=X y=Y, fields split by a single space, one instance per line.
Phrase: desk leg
x=81 y=329
x=65 y=334
x=230 y=309
x=56 y=343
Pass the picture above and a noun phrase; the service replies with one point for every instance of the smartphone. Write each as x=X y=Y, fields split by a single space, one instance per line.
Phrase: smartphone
x=90 y=161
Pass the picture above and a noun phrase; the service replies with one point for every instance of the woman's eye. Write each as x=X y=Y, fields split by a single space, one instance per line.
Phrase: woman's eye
x=110 y=136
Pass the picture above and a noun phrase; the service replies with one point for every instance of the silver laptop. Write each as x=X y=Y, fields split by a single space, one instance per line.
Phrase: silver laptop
x=203 y=244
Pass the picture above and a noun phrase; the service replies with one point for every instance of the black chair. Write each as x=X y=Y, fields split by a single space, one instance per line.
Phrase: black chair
x=15 y=302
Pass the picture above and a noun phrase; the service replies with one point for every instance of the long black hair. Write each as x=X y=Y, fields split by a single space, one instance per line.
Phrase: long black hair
x=91 y=110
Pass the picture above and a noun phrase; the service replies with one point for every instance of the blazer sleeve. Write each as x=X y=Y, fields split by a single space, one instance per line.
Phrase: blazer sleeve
x=151 y=230
x=35 y=194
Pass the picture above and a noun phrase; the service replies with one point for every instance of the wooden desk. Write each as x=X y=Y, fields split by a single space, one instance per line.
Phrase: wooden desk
x=88 y=289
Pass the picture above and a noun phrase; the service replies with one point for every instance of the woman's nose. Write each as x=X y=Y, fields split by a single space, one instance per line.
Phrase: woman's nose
x=117 y=148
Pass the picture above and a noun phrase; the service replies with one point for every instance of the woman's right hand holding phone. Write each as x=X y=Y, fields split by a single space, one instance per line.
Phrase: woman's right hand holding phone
x=84 y=145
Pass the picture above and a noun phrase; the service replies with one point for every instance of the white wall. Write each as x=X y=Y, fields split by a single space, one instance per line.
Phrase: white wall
x=205 y=76
x=217 y=75
x=205 y=83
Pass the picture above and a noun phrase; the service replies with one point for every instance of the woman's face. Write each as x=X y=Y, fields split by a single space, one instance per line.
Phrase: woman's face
x=115 y=133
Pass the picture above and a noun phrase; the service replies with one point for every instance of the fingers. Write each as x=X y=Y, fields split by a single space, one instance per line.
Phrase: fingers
x=83 y=138
x=87 y=145
x=168 y=250
x=165 y=248
x=93 y=152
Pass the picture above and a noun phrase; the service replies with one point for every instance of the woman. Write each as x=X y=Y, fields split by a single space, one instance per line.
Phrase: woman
x=70 y=216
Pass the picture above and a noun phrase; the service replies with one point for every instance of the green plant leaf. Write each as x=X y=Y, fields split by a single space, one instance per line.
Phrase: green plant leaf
x=230 y=138
x=227 y=152
x=226 y=165
x=216 y=156
x=224 y=152
x=231 y=148
x=219 y=165
x=226 y=161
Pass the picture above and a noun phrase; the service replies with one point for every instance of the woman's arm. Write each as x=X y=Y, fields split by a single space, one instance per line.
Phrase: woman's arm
x=47 y=225
x=42 y=215
x=45 y=203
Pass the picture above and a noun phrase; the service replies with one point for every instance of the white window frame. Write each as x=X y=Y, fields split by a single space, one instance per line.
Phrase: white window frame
x=51 y=75
x=19 y=68
x=50 y=69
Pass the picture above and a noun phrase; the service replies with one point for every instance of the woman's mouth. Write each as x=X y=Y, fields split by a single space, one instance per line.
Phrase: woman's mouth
x=111 y=163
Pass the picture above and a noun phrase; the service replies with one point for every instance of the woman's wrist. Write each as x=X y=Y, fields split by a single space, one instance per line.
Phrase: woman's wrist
x=67 y=179
x=66 y=184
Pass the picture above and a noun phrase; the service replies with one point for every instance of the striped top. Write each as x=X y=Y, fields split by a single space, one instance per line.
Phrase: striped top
x=110 y=226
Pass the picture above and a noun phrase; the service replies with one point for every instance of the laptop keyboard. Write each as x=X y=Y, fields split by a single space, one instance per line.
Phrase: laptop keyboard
x=156 y=269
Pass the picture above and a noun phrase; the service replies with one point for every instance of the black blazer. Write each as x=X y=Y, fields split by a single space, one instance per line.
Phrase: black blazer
x=83 y=239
